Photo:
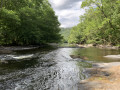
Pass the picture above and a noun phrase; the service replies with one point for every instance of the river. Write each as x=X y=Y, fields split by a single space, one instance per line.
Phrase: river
x=53 y=69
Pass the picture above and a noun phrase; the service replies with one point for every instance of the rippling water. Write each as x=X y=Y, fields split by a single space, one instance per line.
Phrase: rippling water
x=53 y=69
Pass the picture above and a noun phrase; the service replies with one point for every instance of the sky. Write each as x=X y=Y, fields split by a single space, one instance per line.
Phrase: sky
x=68 y=11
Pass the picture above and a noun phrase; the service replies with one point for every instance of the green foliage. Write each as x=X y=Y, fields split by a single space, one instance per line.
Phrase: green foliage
x=25 y=22
x=65 y=32
x=100 y=23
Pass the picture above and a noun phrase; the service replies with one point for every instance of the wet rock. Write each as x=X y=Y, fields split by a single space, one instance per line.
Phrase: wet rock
x=96 y=72
x=75 y=56
x=95 y=44
x=106 y=74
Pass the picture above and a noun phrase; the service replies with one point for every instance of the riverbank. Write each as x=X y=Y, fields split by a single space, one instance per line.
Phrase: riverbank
x=66 y=45
x=103 y=76
x=98 y=46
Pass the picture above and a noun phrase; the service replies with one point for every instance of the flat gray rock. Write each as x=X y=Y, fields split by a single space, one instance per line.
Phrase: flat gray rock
x=112 y=56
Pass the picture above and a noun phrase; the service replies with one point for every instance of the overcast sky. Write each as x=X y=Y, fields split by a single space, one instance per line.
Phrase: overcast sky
x=68 y=11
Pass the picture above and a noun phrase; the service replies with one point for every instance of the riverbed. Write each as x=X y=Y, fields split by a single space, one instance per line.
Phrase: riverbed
x=53 y=69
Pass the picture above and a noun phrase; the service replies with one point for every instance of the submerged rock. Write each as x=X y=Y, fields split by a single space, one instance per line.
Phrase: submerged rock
x=75 y=56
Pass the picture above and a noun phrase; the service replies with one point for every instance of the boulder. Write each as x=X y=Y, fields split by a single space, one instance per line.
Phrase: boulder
x=75 y=56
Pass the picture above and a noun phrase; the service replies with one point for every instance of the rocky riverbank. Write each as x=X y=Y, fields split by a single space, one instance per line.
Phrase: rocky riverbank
x=103 y=76
x=99 y=46
x=66 y=45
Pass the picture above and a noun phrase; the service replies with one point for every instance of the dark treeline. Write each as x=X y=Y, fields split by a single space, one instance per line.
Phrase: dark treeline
x=100 y=24
x=27 y=22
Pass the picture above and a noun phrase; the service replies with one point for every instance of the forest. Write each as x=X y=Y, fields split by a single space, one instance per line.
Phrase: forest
x=28 y=22
x=65 y=32
x=99 y=25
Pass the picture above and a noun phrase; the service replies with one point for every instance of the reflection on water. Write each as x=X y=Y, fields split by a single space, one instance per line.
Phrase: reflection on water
x=96 y=54
x=54 y=69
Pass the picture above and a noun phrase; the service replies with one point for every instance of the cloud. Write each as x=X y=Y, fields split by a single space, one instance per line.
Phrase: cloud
x=68 y=11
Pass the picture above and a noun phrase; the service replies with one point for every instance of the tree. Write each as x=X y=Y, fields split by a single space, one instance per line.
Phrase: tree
x=24 y=22
x=101 y=22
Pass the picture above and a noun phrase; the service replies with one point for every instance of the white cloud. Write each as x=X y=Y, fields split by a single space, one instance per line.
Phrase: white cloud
x=68 y=11
x=57 y=3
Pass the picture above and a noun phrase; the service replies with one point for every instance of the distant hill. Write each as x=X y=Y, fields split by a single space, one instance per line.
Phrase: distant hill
x=65 y=32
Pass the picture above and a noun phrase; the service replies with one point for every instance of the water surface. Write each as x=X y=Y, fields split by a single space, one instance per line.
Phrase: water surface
x=97 y=54
x=53 y=69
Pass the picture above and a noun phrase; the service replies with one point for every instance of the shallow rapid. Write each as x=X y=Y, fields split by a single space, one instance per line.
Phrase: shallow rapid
x=51 y=69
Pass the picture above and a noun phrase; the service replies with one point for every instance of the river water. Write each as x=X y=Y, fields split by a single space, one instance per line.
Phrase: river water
x=53 y=69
